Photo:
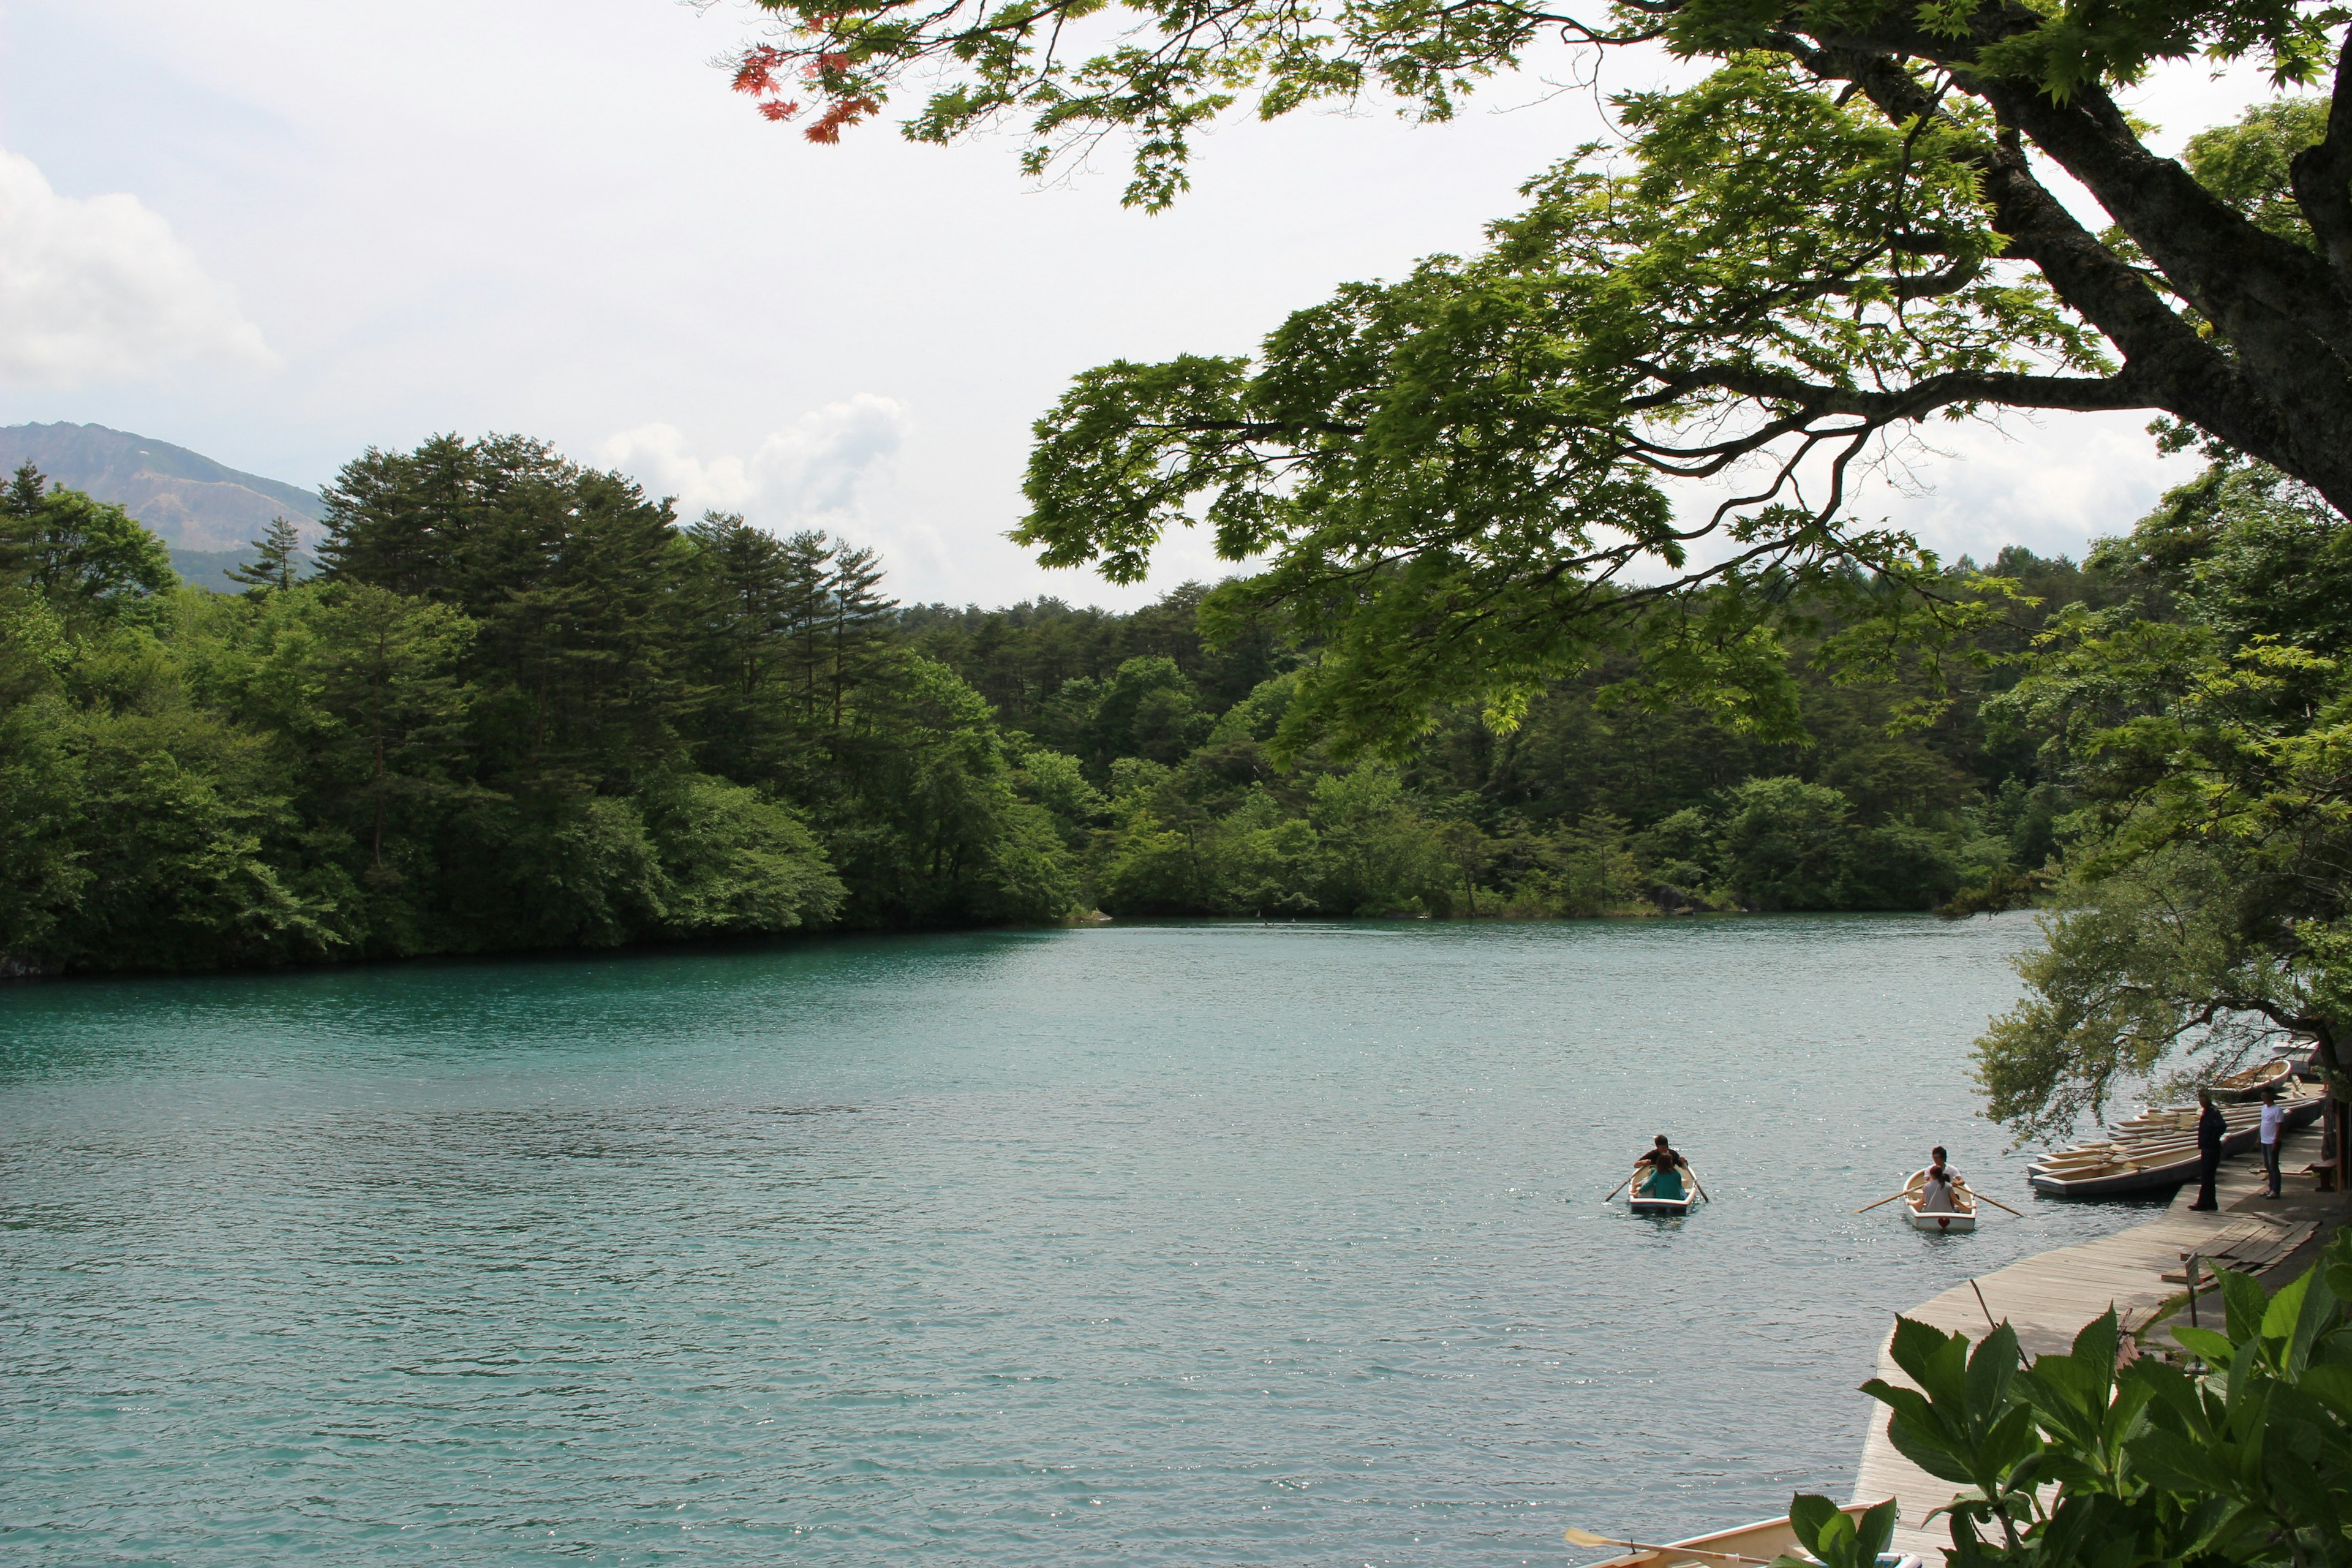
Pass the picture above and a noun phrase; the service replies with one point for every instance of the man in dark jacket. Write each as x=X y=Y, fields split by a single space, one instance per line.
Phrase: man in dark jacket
x=2212 y=1128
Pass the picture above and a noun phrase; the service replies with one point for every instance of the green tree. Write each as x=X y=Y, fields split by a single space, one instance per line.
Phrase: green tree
x=385 y=667
x=1784 y=844
x=277 y=558
x=83 y=552
x=2206 y=898
x=1843 y=229
x=735 y=861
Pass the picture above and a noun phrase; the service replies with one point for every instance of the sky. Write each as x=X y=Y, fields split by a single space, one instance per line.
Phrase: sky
x=279 y=233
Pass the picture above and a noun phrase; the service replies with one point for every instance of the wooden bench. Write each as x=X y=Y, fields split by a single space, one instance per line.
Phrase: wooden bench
x=2325 y=1169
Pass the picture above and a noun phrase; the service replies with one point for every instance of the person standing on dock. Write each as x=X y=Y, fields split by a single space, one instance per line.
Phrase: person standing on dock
x=2213 y=1127
x=2273 y=1126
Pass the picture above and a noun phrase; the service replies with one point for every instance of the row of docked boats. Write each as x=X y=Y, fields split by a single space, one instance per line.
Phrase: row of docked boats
x=2157 y=1148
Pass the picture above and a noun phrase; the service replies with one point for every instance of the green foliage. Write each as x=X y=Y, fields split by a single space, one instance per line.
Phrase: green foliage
x=73 y=548
x=1168 y=69
x=1456 y=475
x=517 y=706
x=277 y=558
x=2248 y=164
x=1595 y=800
x=2242 y=1456
x=1483 y=477
x=1835 y=1537
x=2205 y=895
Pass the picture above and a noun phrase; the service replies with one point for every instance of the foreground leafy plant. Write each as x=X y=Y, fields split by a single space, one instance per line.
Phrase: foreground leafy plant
x=2243 y=1457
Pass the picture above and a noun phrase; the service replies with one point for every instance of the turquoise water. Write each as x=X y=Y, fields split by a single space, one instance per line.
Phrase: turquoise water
x=1168 y=1244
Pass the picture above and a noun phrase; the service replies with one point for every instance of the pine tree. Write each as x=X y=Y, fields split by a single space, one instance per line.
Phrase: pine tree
x=277 y=559
x=20 y=511
x=858 y=625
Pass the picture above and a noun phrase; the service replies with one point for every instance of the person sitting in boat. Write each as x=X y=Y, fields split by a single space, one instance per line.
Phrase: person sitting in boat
x=1658 y=1173
x=1941 y=1193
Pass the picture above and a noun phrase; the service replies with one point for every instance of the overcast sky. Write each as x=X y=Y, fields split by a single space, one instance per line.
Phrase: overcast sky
x=281 y=232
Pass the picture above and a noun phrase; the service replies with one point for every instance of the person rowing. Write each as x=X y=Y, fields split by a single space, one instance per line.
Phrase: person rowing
x=1658 y=1173
x=1941 y=1193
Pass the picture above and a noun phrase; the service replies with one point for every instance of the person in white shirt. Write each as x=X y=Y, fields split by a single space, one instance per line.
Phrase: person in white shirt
x=2274 y=1124
x=1939 y=1194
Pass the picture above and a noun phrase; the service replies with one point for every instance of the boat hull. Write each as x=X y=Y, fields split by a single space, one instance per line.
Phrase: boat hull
x=2240 y=1088
x=1941 y=1223
x=1642 y=1202
x=2053 y=1179
x=1760 y=1542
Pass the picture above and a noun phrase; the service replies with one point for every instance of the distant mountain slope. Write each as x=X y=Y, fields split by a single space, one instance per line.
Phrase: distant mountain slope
x=191 y=502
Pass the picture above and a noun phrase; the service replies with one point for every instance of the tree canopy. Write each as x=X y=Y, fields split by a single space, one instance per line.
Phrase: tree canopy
x=1465 y=480
x=2204 y=728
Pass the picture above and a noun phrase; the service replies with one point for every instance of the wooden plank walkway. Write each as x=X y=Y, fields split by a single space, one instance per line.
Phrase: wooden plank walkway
x=2048 y=1298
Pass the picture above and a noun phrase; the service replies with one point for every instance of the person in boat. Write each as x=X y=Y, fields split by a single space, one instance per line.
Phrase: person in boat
x=1658 y=1173
x=2212 y=1127
x=1940 y=1193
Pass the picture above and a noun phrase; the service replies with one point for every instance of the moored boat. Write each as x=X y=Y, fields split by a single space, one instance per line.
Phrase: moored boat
x=2159 y=1148
x=2250 y=1083
x=1759 y=1542
x=1940 y=1221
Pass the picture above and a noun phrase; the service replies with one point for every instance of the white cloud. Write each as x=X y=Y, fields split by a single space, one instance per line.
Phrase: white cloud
x=810 y=472
x=101 y=290
x=2052 y=484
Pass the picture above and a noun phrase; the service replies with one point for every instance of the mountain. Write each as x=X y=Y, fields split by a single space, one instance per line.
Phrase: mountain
x=193 y=504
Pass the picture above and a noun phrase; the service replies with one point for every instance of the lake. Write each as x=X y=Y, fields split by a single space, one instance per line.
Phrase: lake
x=1183 y=1243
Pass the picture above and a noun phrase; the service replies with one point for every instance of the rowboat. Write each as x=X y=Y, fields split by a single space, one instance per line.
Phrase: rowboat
x=1941 y=1222
x=2159 y=1148
x=1642 y=1201
x=1750 y=1543
x=2250 y=1083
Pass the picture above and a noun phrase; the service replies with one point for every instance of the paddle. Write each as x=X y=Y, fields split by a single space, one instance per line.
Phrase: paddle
x=1981 y=1198
x=1618 y=1188
x=1695 y=1181
x=1586 y=1538
x=1884 y=1202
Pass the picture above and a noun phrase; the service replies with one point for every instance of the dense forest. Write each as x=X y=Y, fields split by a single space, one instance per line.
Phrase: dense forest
x=515 y=703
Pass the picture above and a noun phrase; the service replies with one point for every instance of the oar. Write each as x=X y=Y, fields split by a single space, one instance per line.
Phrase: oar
x=1586 y=1538
x=1982 y=1198
x=1884 y=1202
x=1618 y=1188
x=1695 y=1182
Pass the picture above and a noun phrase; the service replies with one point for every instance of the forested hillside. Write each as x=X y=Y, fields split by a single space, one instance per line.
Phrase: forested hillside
x=521 y=705
x=1595 y=802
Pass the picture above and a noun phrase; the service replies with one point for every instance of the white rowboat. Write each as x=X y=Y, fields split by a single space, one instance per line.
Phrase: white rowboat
x=1750 y=1543
x=1942 y=1222
x=1642 y=1202
x=2249 y=1084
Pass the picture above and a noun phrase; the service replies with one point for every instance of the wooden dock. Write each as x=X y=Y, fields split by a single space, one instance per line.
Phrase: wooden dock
x=2048 y=1298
